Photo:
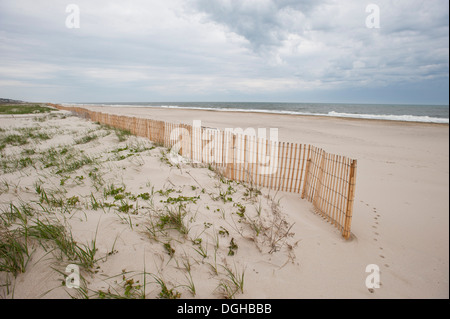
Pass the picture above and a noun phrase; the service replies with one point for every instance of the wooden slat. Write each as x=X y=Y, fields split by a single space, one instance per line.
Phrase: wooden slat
x=342 y=193
x=331 y=186
x=324 y=186
x=240 y=151
x=305 y=156
x=265 y=154
x=252 y=159
x=279 y=166
x=274 y=154
x=293 y=160
x=330 y=189
x=268 y=165
x=257 y=163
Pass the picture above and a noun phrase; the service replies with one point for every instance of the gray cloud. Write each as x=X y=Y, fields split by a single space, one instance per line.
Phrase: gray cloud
x=220 y=49
x=263 y=23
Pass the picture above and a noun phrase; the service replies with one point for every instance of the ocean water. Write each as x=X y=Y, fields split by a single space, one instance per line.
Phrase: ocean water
x=400 y=112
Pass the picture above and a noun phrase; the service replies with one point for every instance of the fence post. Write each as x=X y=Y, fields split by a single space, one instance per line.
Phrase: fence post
x=350 y=200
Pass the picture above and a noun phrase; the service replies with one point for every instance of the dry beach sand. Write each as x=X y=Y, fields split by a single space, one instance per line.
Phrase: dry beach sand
x=276 y=246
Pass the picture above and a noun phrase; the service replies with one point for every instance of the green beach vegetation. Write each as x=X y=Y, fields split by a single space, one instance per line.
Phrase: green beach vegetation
x=24 y=109
x=63 y=174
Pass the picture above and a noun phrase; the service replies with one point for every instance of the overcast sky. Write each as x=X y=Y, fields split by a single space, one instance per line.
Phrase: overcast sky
x=225 y=50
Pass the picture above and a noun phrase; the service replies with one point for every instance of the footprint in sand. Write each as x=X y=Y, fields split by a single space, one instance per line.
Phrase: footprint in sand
x=375 y=225
x=376 y=237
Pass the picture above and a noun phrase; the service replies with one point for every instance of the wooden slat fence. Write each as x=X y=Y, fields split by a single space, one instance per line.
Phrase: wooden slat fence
x=326 y=180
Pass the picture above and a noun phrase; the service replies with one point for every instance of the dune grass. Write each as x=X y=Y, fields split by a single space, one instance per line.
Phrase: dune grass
x=14 y=252
x=23 y=109
x=172 y=216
